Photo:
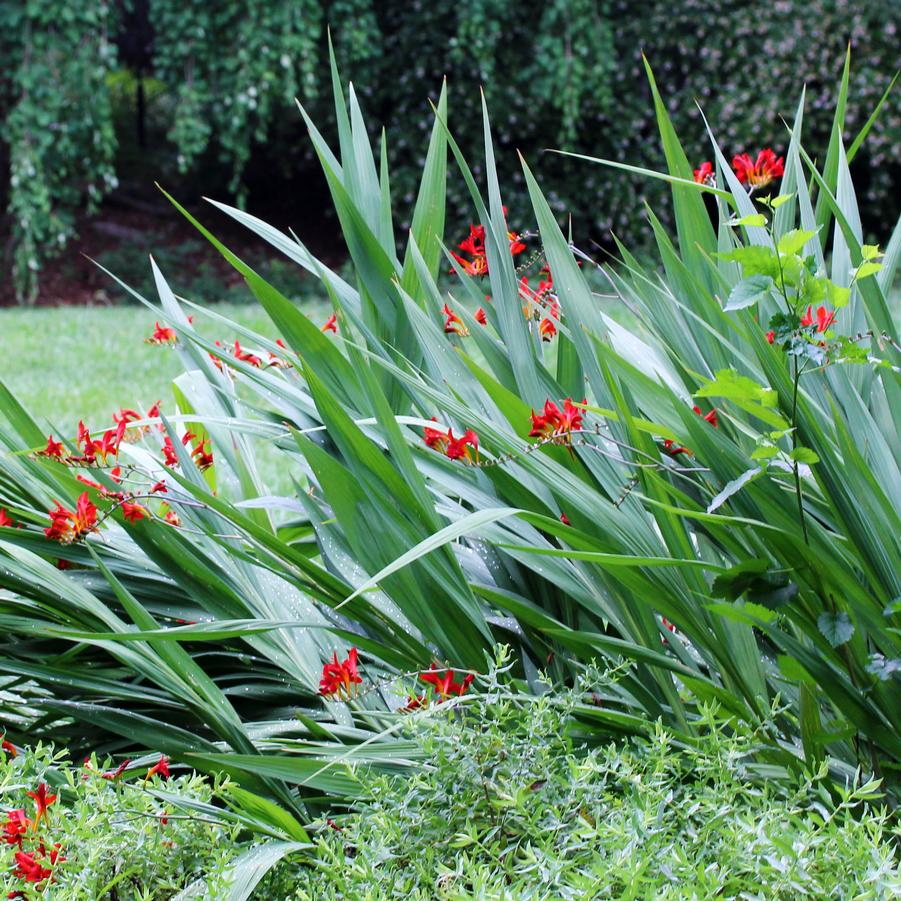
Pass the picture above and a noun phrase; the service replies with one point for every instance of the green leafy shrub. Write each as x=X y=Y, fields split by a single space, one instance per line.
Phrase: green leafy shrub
x=509 y=803
x=106 y=838
x=451 y=494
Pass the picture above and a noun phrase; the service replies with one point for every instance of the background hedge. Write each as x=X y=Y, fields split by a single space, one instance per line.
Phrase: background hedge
x=103 y=96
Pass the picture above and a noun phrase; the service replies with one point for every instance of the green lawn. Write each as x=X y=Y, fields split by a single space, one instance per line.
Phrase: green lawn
x=71 y=363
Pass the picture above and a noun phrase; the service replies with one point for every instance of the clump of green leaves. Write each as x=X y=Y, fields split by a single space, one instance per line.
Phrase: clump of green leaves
x=512 y=804
x=112 y=838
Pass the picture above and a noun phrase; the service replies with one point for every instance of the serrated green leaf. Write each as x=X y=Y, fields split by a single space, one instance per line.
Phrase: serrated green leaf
x=836 y=628
x=748 y=292
x=865 y=270
x=792 y=242
x=754 y=219
x=804 y=455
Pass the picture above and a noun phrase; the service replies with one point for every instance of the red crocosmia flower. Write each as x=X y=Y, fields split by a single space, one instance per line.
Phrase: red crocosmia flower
x=556 y=423
x=331 y=324
x=710 y=417
x=674 y=449
x=474 y=245
x=90 y=483
x=108 y=446
x=760 y=172
x=770 y=337
x=5 y=521
x=15 y=827
x=435 y=438
x=203 y=458
x=160 y=768
x=66 y=526
x=444 y=685
x=481 y=318
x=547 y=329
x=133 y=512
x=29 y=869
x=170 y=457
x=42 y=802
x=565 y=519
x=339 y=680
x=159 y=487
x=458 y=448
x=281 y=343
x=172 y=518
x=8 y=747
x=453 y=324
x=414 y=702
x=162 y=334
x=126 y=415
x=824 y=318
x=246 y=357
x=117 y=772
x=704 y=174
x=53 y=449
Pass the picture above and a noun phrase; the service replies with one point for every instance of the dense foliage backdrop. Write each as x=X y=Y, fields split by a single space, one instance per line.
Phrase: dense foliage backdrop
x=106 y=94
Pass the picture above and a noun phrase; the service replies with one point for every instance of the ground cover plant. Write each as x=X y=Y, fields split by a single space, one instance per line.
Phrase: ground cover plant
x=510 y=806
x=706 y=501
x=96 y=831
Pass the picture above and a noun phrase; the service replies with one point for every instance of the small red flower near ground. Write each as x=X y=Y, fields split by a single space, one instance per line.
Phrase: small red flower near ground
x=29 y=869
x=445 y=686
x=15 y=827
x=760 y=172
x=66 y=526
x=331 y=324
x=704 y=174
x=414 y=702
x=5 y=521
x=770 y=337
x=8 y=747
x=339 y=680
x=42 y=802
x=565 y=519
x=160 y=768
x=824 y=318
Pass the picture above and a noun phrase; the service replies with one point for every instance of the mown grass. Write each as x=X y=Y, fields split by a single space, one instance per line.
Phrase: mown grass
x=71 y=363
